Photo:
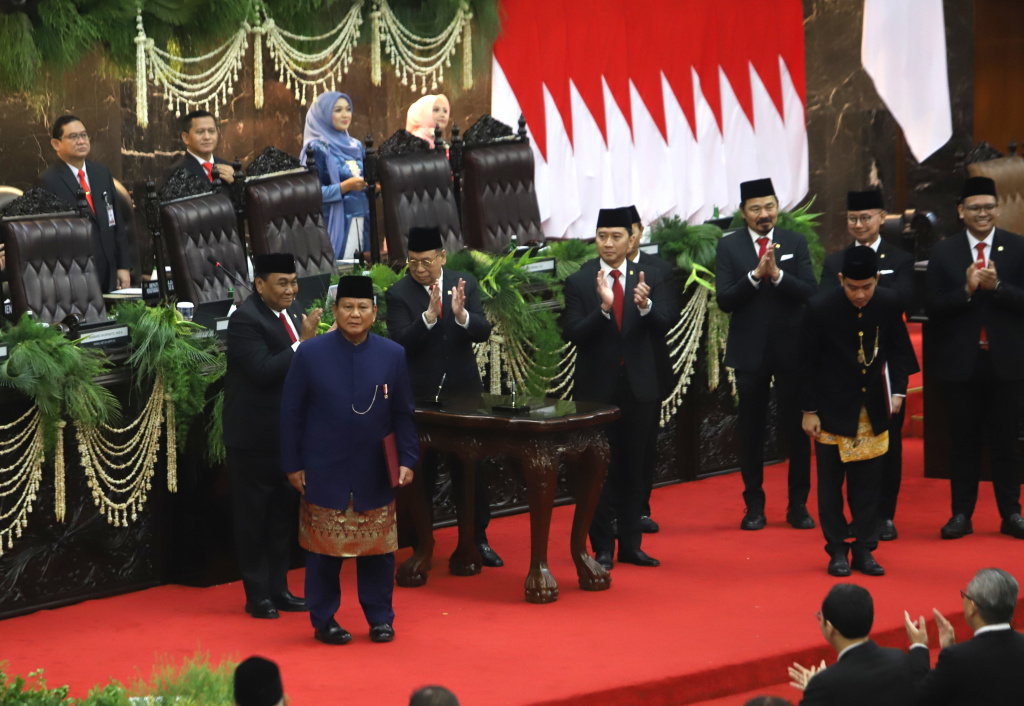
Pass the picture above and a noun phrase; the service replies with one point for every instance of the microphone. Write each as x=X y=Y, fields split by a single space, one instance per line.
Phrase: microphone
x=231 y=275
x=437 y=397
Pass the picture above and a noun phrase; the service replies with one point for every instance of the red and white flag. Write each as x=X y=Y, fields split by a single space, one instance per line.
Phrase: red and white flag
x=668 y=104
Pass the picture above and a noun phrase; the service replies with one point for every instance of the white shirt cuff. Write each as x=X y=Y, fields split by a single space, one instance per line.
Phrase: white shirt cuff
x=465 y=325
x=427 y=323
x=750 y=278
x=645 y=312
x=918 y=644
x=776 y=281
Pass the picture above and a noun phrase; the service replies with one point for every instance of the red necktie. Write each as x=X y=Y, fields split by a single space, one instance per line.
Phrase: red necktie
x=208 y=166
x=762 y=246
x=85 y=188
x=440 y=312
x=617 y=300
x=983 y=338
x=291 y=334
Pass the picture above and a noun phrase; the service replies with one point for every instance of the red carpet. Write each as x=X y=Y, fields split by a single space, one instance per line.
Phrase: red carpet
x=724 y=615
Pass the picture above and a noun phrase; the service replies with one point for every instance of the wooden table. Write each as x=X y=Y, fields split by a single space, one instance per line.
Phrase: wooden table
x=471 y=429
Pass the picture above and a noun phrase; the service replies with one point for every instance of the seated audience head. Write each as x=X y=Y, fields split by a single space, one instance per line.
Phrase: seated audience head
x=846 y=615
x=859 y=275
x=433 y=696
x=768 y=701
x=427 y=255
x=275 y=279
x=614 y=229
x=758 y=205
x=419 y=120
x=990 y=598
x=865 y=214
x=442 y=111
x=979 y=207
x=258 y=683
x=70 y=140
x=200 y=133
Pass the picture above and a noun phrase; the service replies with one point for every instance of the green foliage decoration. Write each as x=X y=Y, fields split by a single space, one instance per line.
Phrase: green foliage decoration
x=57 y=375
x=685 y=245
x=801 y=221
x=569 y=254
x=163 y=344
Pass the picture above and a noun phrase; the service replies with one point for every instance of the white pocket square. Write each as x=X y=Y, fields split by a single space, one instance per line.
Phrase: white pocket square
x=885 y=272
x=785 y=257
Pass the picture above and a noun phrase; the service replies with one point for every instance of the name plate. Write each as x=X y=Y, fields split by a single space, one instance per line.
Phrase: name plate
x=105 y=337
x=151 y=289
x=220 y=325
x=3 y=352
x=545 y=265
x=649 y=249
x=8 y=309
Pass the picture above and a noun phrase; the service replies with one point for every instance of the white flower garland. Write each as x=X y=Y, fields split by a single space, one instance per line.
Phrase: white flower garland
x=415 y=57
x=25 y=473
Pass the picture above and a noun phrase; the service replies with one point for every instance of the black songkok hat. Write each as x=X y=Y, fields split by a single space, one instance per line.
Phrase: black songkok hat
x=615 y=218
x=258 y=683
x=864 y=200
x=634 y=215
x=281 y=262
x=860 y=262
x=423 y=239
x=978 y=186
x=756 y=189
x=354 y=287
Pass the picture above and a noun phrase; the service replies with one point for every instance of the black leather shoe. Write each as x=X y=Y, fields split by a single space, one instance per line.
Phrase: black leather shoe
x=332 y=634
x=888 y=531
x=799 y=518
x=648 y=526
x=753 y=520
x=262 y=608
x=839 y=566
x=957 y=527
x=604 y=559
x=1013 y=526
x=290 y=603
x=639 y=558
x=382 y=633
x=866 y=564
x=489 y=556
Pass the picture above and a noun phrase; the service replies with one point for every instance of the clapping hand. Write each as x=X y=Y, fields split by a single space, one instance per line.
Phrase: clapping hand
x=987 y=278
x=641 y=293
x=604 y=291
x=762 y=265
x=310 y=324
x=773 y=268
x=800 y=675
x=434 y=308
x=973 y=278
x=459 y=302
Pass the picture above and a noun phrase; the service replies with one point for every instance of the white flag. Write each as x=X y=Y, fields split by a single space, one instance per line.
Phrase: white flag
x=910 y=74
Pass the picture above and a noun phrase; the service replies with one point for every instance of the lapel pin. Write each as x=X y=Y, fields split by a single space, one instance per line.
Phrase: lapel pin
x=882 y=255
x=631 y=272
x=1000 y=248
x=777 y=245
x=449 y=292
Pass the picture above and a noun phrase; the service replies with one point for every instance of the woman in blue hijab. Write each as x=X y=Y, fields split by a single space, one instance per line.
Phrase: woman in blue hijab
x=339 y=160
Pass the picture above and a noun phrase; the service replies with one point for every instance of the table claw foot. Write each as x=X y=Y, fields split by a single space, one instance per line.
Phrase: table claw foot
x=593 y=576
x=541 y=586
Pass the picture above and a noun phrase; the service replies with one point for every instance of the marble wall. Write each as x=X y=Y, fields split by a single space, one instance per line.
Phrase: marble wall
x=854 y=142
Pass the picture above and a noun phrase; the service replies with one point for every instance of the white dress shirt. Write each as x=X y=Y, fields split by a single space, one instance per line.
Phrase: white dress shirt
x=606 y=270
x=291 y=326
x=988 y=245
x=202 y=161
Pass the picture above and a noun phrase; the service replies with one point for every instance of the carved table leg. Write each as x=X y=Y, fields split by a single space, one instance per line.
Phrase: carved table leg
x=591 y=469
x=540 y=467
x=466 y=559
x=413 y=571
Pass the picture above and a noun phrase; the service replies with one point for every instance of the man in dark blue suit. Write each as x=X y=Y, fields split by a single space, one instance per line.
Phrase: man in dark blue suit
x=263 y=335
x=865 y=214
x=864 y=673
x=614 y=311
x=987 y=668
x=763 y=278
x=346 y=394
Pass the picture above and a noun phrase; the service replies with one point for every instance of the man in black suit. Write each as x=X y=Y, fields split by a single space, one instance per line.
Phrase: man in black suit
x=200 y=135
x=614 y=311
x=263 y=334
x=855 y=358
x=864 y=673
x=665 y=377
x=865 y=214
x=436 y=315
x=763 y=278
x=987 y=668
x=74 y=171
x=976 y=329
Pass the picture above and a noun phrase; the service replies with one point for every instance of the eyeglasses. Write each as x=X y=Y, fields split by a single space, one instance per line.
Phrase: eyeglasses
x=864 y=218
x=77 y=137
x=979 y=207
x=415 y=264
x=963 y=594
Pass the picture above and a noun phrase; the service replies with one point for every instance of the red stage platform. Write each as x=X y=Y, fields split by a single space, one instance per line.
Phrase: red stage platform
x=722 y=617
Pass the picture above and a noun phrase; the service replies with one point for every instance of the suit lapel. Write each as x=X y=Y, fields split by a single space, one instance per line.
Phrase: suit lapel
x=746 y=249
x=274 y=323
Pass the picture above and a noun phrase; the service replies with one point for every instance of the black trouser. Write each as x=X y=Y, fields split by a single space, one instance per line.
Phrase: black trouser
x=650 y=466
x=481 y=498
x=754 y=390
x=863 y=479
x=265 y=513
x=622 y=495
x=375 y=586
x=984 y=406
x=892 y=475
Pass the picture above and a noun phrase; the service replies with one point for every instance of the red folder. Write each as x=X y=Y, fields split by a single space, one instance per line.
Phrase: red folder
x=391 y=457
